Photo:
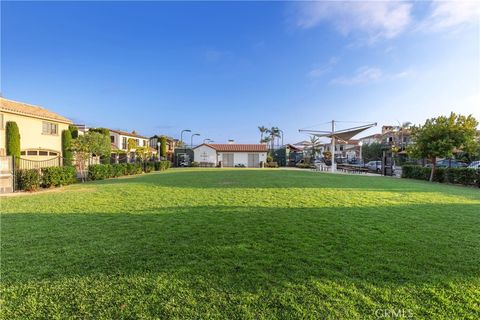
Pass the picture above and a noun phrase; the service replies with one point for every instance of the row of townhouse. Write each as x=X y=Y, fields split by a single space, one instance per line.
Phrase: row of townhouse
x=41 y=133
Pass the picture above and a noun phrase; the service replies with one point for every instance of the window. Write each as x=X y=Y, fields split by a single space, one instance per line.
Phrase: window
x=1 y=121
x=124 y=143
x=137 y=142
x=43 y=153
x=51 y=153
x=112 y=139
x=32 y=153
x=49 y=128
x=22 y=153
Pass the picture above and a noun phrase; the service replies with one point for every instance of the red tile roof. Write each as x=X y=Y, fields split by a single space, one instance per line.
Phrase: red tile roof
x=234 y=147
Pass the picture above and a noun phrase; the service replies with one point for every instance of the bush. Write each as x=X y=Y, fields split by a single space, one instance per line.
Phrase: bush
x=271 y=164
x=148 y=167
x=28 y=179
x=99 y=171
x=465 y=176
x=304 y=165
x=269 y=158
x=134 y=168
x=58 y=176
x=118 y=170
x=195 y=164
x=239 y=165
x=165 y=165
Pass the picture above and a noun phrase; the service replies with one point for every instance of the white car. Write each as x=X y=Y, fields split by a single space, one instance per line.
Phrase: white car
x=474 y=165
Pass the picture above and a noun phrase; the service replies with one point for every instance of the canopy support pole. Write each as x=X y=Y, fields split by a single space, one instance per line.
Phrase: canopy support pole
x=333 y=146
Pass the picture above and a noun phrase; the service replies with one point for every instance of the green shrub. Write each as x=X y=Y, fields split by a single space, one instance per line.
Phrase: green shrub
x=66 y=147
x=27 y=179
x=194 y=164
x=465 y=176
x=58 y=176
x=165 y=165
x=12 y=139
x=272 y=164
x=304 y=165
x=118 y=170
x=134 y=168
x=99 y=171
x=148 y=167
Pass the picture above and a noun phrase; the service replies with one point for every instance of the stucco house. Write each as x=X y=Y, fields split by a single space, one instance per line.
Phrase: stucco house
x=231 y=155
x=40 y=129
x=119 y=139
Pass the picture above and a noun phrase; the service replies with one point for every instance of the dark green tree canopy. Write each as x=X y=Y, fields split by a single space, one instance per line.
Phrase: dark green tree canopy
x=67 y=147
x=12 y=135
x=163 y=146
x=443 y=136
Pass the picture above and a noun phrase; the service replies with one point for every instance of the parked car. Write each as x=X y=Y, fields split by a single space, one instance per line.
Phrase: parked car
x=375 y=166
x=448 y=163
x=474 y=165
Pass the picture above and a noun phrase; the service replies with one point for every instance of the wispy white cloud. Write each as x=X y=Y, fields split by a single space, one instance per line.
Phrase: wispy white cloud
x=448 y=14
x=384 y=19
x=320 y=70
x=366 y=74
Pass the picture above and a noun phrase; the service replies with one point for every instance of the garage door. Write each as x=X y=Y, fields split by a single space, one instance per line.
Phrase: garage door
x=253 y=160
x=228 y=159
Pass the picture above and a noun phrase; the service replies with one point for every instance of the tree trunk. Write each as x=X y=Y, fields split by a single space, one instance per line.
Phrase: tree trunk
x=432 y=173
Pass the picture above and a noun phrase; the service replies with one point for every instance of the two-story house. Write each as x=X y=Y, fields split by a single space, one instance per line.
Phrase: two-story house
x=40 y=129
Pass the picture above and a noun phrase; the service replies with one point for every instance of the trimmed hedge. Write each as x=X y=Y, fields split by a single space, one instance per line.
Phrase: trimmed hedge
x=58 y=176
x=465 y=176
x=12 y=135
x=33 y=179
x=106 y=171
x=28 y=179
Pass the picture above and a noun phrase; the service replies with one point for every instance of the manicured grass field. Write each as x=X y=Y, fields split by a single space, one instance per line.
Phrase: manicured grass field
x=230 y=244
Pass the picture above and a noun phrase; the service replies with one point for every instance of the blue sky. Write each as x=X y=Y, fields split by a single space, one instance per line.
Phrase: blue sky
x=223 y=68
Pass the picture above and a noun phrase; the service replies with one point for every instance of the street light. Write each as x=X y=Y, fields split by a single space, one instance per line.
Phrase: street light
x=282 y=135
x=181 y=134
x=191 y=139
x=207 y=140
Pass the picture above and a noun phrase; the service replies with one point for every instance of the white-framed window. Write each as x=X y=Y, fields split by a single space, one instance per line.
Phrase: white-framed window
x=49 y=128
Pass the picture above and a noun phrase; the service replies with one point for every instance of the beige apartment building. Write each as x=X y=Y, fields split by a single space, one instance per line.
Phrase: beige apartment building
x=40 y=129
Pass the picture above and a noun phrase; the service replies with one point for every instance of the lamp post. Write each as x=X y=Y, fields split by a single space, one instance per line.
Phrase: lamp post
x=207 y=140
x=181 y=134
x=281 y=131
x=191 y=139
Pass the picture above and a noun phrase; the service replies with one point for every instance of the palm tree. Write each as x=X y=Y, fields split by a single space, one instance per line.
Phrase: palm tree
x=315 y=145
x=262 y=130
x=273 y=133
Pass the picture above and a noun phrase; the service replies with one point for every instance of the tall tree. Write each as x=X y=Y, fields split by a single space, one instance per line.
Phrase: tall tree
x=262 y=130
x=91 y=143
x=315 y=146
x=73 y=131
x=440 y=137
x=67 y=147
x=163 y=146
x=12 y=135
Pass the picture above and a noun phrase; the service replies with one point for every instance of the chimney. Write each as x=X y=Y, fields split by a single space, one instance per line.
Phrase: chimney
x=231 y=141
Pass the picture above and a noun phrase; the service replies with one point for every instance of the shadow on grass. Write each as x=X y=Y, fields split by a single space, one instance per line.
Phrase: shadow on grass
x=238 y=248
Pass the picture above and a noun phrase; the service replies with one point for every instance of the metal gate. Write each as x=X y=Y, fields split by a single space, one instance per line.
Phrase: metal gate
x=6 y=174
x=253 y=160
x=227 y=159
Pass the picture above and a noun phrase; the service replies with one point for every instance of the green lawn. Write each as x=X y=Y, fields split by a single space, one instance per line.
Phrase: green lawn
x=231 y=244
